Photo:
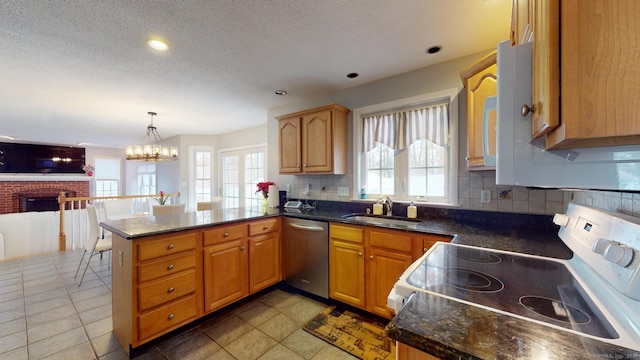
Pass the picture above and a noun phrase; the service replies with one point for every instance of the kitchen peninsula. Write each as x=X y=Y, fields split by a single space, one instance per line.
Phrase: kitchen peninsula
x=170 y=271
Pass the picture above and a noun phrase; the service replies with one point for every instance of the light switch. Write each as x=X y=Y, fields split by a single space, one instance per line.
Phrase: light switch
x=343 y=191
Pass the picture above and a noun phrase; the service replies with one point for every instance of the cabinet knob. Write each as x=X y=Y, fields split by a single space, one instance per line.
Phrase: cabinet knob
x=170 y=267
x=225 y=234
x=265 y=227
x=170 y=317
x=371 y=257
x=526 y=109
x=170 y=247
x=297 y=165
x=242 y=248
x=170 y=290
x=359 y=254
x=305 y=165
x=467 y=158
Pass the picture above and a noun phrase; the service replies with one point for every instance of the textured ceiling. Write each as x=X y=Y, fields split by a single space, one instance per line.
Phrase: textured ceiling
x=80 y=71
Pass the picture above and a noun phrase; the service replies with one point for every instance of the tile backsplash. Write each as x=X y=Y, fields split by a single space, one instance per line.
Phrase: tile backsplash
x=514 y=199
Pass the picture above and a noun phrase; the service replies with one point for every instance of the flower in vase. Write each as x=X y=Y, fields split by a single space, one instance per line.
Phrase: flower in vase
x=264 y=188
x=162 y=199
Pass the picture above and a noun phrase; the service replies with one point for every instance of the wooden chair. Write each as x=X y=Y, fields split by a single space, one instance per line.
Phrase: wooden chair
x=168 y=209
x=94 y=244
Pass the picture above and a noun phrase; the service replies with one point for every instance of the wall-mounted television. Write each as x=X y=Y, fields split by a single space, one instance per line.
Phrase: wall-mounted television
x=46 y=159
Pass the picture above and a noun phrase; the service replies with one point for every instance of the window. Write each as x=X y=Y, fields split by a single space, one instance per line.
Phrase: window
x=107 y=176
x=147 y=179
x=240 y=171
x=202 y=181
x=404 y=149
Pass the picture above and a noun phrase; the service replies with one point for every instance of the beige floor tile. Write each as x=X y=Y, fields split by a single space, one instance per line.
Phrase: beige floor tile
x=99 y=328
x=52 y=328
x=12 y=327
x=16 y=354
x=304 y=310
x=51 y=315
x=280 y=352
x=197 y=347
x=106 y=344
x=12 y=341
x=251 y=346
x=228 y=330
x=303 y=343
x=56 y=343
x=280 y=326
x=257 y=313
x=330 y=352
x=81 y=351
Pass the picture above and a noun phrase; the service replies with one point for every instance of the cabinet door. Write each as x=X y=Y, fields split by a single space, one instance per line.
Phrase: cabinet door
x=546 y=67
x=346 y=272
x=480 y=82
x=521 y=15
x=385 y=268
x=317 y=154
x=264 y=261
x=226 y=277
x=290 y=147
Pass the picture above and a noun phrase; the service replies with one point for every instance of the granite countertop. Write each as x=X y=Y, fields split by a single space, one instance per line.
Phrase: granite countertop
x=436 y=325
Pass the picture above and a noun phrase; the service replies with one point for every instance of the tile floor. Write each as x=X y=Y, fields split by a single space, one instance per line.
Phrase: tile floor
x=45 y=315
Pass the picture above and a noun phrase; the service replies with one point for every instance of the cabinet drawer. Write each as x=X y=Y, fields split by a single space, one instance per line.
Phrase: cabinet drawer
x=263 y=227
x=166 y=246
x=224 y=233
x=166 y=266
x=168 y=289
x=346 y=233
x=166 y=318
x=391 y=240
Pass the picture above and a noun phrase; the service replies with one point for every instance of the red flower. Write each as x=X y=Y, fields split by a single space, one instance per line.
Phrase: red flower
x=264 y=187
x=162 y=199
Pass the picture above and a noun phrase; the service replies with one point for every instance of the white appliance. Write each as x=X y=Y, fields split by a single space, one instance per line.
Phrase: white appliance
x=595 y=294
x=521 y=161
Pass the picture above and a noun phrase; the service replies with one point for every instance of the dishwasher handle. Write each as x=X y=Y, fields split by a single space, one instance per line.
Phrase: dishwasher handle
x=306 y=227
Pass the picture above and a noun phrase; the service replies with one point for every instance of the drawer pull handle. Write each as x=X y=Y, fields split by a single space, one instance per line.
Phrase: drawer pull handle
x=170 y=317
x=242 y=248
x=226 y=234
x=170 y=290
x=359 y=254
x=170 y=267
x=170 y=247
x=371 y=257
x=265 y=227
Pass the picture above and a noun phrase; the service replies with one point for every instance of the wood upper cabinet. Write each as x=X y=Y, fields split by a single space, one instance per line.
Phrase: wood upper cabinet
x=521 y=21
x=480 y=81
x=314 y=141
x=585 y=92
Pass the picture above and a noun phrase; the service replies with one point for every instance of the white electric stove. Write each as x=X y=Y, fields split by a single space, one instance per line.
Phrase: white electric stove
x=595 y=294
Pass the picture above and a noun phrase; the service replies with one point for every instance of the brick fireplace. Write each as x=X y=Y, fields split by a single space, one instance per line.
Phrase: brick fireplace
x=14 y=195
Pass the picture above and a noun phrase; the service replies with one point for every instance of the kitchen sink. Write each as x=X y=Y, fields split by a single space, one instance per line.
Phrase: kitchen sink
x=384 y=220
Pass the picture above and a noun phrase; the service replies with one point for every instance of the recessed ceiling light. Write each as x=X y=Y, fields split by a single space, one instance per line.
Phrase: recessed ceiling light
x=434 y=49
x=281 y=92
x=352 y=75
x=158 y=44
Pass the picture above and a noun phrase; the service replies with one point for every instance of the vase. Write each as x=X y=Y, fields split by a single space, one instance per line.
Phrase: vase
x=264 y=206
x=90 y=173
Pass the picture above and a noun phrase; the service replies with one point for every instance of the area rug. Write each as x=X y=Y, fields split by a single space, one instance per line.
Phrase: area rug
x=361 y=336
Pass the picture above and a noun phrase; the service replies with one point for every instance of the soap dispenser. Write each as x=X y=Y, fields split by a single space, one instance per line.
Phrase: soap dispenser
x=377 y=208
x=412 y=211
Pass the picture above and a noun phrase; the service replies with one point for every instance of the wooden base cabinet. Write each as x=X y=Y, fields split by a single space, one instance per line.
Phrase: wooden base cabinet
x=366 y=262
x=346 y=264
x=155 y=286
x=163 y=282
x=406 y=352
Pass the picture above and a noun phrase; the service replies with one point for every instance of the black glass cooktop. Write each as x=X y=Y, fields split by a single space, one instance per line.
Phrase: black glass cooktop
x=535 y=288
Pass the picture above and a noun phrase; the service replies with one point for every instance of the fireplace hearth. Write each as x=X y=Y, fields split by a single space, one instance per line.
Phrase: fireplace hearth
x=42 y=201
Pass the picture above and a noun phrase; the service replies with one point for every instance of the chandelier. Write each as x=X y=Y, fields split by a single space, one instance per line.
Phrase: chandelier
x=152 y=148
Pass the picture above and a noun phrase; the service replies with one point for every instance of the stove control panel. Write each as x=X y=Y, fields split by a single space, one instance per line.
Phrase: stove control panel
x=607 y=242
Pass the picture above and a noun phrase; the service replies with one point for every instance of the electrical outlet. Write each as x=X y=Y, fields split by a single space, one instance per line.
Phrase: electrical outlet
x=485 y=196
x=343 y=191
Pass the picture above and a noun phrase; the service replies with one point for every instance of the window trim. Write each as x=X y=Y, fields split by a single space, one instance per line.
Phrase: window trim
x=240 y=150
x=192 y=170
x=450 y=96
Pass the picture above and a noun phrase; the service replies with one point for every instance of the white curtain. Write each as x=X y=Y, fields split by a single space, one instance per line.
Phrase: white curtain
x=399 y=129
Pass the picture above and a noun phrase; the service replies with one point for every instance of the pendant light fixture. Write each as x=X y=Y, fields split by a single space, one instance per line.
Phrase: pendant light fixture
x=152 y=146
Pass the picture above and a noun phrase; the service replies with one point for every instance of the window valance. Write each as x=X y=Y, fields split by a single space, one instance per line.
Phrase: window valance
x=399 y=129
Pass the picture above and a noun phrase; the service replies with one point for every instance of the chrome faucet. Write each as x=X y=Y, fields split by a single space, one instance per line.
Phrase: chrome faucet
x=388 y=204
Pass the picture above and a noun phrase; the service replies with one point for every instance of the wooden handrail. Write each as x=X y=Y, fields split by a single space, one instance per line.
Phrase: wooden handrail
x=63 y=199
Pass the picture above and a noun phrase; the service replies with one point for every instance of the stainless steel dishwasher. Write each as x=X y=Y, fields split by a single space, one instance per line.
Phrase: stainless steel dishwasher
x=306 y=255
